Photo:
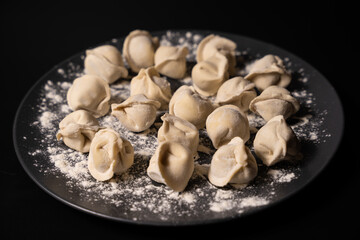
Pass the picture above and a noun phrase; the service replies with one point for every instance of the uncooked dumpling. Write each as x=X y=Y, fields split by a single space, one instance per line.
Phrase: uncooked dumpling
x=106 y=62
x=89 y=93
x=171 y=61
x=232 y=163
x=214 y=43
x=268 y=71
x=172 y=164
x=276 y=141
x=175 y=129
x=137 y=113
x=77 y=130
x=236 y=91
x=149 y=83
x=225 y=123
x=209 y=74
x=274 y=101
x=189 y=105
x=109 y=154
x=139 y=49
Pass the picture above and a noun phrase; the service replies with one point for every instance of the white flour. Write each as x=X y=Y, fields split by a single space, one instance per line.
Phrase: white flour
x=134 y=190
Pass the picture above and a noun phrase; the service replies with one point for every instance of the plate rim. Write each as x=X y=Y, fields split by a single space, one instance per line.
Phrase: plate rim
x=196 y=222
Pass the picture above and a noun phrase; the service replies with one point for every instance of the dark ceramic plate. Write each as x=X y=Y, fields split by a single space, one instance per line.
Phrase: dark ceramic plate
x=134 y=197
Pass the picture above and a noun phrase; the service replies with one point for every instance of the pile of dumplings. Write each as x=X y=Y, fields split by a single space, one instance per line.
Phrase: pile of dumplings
x=218 y=100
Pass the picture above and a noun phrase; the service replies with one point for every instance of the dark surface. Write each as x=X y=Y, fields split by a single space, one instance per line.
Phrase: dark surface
x=35 y=38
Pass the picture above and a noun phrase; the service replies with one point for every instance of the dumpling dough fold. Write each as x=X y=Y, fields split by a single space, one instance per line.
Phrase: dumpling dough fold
x=276 y=141
x=175 y=129
x=109 y=154
x=137 y=113
x=236 y=91
x=172 y=164
x=267 y=71
x=209 y=74
x=187 y=104
x=77 y=130
x=274 y=101
x=171 y=61
x=149 y=83
x=232 y=163
x=213 y=44
x=89 y=93
x=139 y=49
x=225 y=123
x=106 y=62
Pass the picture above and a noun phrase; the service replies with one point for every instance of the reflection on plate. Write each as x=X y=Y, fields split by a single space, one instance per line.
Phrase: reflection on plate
x=133 y=196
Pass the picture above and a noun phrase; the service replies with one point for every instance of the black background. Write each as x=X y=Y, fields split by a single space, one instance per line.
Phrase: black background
x=35 y=37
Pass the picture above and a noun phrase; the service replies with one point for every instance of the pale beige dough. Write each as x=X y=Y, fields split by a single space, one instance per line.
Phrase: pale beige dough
x=139 y=49
x=109 y=154
x=274 y=101
x=187 y=104
x=149 y=83
x=137 y=113
x=232 y=163
x=171 y=61
x=77 y=130
x=276 y=141
x=267 y=71
x=90 y=93
x=236 y=91
x=225 y=123
x=106 y=62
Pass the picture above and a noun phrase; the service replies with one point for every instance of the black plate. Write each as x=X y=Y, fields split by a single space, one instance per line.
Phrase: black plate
x=134 y=197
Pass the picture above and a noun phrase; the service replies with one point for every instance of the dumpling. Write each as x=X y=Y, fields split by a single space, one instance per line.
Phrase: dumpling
x=175 y=129
x=137 y=113
x=268 y=71
x=225 y=123
x=77 y=130
x=149 y=83
x=236 y=91
x=190 y=106
x=106 y=62
x=232 y=163
x=109 y=154
x=171 y=61
x=209 y=74
x=89 y=93
x=274 y=101
x=139 y=49
x=214 y=43
x=172 y=164
x=276 y=141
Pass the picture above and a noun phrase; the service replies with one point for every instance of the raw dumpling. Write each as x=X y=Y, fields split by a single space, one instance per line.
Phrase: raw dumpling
x=109 y=154
x=106 y=62
x=232 y=163
x=137 y=113
x=214 y=43
x=267 y=71
x=172 y=164
x=190 y=106
x=149 y=83
x=209 y=74
x=90 y=93
x=276 y=141
x=77 y=130
x=139 y=49
x=225 y=123
x=171 y=61
x=236 y=91
x=175 y=129
x=274 y=101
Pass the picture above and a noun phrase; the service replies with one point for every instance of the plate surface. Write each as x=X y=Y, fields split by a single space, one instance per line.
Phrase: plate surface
x=133 y=197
